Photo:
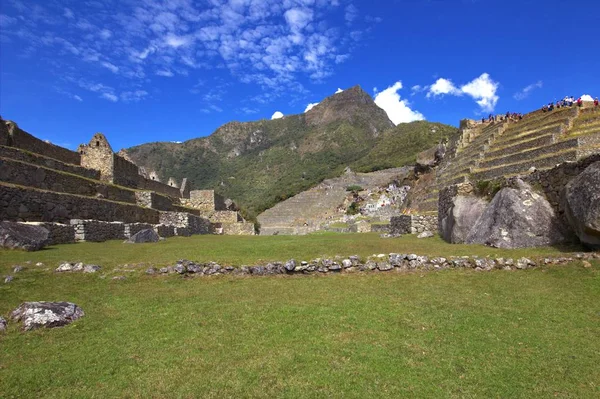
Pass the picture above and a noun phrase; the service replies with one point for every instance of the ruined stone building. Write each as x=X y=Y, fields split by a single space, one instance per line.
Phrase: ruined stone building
x=96 y=195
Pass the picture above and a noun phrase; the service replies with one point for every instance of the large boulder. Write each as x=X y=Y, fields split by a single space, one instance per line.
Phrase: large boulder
x=460 y=218
x=517 y=217
x=23 y=236
x=46 y=314
x=582 y=205
x=146 y=235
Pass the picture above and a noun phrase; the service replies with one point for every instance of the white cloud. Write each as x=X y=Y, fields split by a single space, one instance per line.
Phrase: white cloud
x=76 y=97
x=310 y=106
x=111 y=67
x=165 y=73
x=298 y=18
x=483 y=90
x=338 y=91
x=277 y=115
x=587 y=97
x=441 y=87
x=133 y=96
x=351 y=13
x=523 y=94
x=177 y=41
x=109 y=97
x=398 y=110
x=68 y=14
x=105 y=34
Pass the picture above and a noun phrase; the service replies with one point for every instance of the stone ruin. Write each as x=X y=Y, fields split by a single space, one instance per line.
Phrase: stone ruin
x=542 y=154
x=95 y=194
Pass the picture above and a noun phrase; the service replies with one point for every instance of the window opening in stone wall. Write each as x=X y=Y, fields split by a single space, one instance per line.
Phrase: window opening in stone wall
x=97 y=144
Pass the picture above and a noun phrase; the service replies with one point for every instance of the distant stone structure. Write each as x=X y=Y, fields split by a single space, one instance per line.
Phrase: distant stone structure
x=96 y=195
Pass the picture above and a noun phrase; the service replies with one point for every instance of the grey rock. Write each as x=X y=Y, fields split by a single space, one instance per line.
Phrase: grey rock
x=456 y=224
x=65 y=267
x=119 y=278
x=581 y=199
x=384 y=266
x=17 y=269
x=142 y=236
x=180 y=269
x=335 y=267
x=3 y=324
x=163 y=270
x=77 y=267
x=194 y=268
x=46 y=314
x=411 y=257
x=8 y=279
x=517 y=217
x=425 y=234
x=23 y=236
x=290 y=265
x=150 y=270
x=346 y=263
x=91 y=268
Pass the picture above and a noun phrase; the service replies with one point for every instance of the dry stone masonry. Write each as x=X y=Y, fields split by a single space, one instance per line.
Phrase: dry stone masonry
x=95 y=195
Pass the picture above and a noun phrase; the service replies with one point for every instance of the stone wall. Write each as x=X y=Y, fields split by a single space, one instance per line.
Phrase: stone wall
x=98 y=155
x=381 y=228
x=133 y=228
x=98 y=231
x=24 y=204
x=59 y=233
x=3 y=133
x=29 y=157
x=446 y=197
x=183 y=220
x=237 y=229
x=224 y=217
x=150 y=199
x=125 y=173
x=413 y=224
x=153 y=185
x=205 y=200
x=164 y=231
x=21 y=139
x=184 y=190
x=29 y=175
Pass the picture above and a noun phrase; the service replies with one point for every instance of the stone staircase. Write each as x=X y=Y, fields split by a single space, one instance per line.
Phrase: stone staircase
x=310 y=210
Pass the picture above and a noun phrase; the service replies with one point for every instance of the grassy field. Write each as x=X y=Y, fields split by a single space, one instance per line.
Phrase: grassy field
x=454 y=333
x=247 y=250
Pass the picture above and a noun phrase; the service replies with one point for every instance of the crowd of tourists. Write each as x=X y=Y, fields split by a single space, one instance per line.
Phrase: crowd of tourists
x=509 y=116
x=566 y=102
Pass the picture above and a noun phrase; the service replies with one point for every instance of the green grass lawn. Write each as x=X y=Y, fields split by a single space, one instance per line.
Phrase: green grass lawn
x=239 y=250
x=453 y=333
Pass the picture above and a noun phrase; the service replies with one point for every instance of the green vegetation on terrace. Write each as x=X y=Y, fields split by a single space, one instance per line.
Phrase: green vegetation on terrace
x=248 y=250
x=449 y=334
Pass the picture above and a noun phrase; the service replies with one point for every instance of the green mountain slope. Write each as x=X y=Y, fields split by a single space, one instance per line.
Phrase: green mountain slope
x=258 y=164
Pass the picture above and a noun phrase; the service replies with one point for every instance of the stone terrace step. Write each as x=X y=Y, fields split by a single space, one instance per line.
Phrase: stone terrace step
x=520 y=146
x=18 y=203
x=36 y=159
x=523 y=166
x=530 y=135
x=529 y=154
x=29 y=175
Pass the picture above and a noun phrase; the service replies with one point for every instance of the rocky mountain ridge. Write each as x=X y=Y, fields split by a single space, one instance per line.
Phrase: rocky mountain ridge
x=261 y=163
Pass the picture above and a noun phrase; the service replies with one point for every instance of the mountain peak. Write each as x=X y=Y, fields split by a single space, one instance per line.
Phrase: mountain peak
x=351 y=105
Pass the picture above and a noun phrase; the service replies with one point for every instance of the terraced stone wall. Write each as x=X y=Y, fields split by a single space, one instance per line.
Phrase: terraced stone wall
x=21 y=139
x=29 y=175
x=28 y=204
x=153 y=185
x=224 y=217
x=29 y=157
x=183 y=220
x=59 y=233
x=237 y=229
x=150 y=199
x=205 y=200
x=125 y=173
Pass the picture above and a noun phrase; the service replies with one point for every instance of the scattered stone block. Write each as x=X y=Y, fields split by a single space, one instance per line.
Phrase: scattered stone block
x=35 y=315
x=22 y=236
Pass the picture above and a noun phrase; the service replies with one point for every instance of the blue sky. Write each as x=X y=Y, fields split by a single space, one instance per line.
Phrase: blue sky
x=172 y=70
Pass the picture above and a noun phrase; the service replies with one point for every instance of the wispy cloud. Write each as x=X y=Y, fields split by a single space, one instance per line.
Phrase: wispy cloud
x=526 y=91
x=270 y=43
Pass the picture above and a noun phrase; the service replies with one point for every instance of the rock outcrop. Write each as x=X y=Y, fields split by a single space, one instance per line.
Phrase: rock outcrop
x=146 y=235
x=35 y=315
x=582 y=205
x=23 y=236
x=461 y=217
x=517 y=217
